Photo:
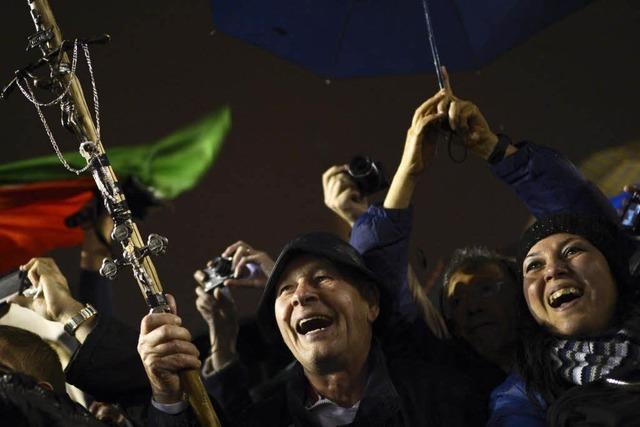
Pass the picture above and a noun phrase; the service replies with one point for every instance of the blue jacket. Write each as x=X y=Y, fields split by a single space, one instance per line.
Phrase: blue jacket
x=510 y=406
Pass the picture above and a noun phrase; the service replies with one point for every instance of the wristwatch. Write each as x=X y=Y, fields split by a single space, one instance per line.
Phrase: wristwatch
x=500 y=149
x=83 y=315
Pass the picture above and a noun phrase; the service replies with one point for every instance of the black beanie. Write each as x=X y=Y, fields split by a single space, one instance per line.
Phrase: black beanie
x=599 y=231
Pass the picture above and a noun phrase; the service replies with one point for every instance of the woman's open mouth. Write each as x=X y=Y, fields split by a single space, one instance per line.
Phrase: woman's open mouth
x=564 y=296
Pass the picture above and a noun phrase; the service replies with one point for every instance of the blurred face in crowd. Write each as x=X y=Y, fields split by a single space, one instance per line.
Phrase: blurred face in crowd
x=568 y=286
x=324 y=319
x=482 y=301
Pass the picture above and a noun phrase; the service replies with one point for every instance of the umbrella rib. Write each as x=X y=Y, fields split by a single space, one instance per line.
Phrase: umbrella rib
x=343 y=32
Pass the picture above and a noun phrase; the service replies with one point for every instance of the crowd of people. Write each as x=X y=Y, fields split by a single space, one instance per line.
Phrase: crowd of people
x=546 y=335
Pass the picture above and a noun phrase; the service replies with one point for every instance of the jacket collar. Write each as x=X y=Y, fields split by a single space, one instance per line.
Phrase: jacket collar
x=379 y=402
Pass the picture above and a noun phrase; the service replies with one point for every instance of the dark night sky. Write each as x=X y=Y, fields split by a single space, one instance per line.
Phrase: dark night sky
x=574 y=86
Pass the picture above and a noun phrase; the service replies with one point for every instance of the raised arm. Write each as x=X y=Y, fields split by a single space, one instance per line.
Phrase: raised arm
x=225 y=376
x=547 y=183
x=382 y=234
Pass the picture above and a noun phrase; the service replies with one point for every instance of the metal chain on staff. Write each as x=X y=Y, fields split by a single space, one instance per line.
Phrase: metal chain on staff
x=96 y=104
x=77 y=119
x=28 y=93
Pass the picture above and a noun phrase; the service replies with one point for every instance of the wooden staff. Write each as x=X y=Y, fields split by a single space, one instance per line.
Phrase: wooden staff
x=135 y=252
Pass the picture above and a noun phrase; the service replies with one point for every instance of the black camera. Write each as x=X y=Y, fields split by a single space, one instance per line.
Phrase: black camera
x=631 y=214
x=368 y=175
x=220 y=269
x=216 y=272
x=14 y=283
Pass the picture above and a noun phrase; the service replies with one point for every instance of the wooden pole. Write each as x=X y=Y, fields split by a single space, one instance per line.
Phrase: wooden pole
x=148 y=281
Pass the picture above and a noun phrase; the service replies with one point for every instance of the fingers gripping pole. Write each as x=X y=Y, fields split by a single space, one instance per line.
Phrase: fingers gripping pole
x=194 y=389
x=136 y=253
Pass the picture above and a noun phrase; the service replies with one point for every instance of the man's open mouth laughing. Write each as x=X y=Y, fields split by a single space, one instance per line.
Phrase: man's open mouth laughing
x=313 y=325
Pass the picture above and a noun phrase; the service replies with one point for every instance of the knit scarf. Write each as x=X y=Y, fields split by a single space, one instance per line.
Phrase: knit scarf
x=584 y=361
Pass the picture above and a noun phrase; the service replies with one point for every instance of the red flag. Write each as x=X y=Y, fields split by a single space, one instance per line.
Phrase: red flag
x=32 y=218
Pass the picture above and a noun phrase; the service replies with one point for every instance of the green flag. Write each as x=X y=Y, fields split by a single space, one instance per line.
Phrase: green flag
x=169 y=167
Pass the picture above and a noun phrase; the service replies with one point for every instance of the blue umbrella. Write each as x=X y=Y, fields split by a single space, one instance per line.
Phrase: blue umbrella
x=348 y=38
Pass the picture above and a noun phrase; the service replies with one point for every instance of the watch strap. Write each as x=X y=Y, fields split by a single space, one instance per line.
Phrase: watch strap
x=500 y=149
x=86 y=313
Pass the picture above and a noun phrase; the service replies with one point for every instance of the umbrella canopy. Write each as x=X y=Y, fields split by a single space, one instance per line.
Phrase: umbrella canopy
x=348 y=38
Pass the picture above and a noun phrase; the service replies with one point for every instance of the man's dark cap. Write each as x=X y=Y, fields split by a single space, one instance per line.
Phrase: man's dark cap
x=324 y=245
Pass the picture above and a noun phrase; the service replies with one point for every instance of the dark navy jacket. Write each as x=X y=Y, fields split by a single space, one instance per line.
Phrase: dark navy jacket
x=399 y=392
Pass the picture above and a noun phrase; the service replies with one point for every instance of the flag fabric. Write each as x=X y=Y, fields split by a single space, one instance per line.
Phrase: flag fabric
x=32 y=218
x=37 y=195
x=171 y=166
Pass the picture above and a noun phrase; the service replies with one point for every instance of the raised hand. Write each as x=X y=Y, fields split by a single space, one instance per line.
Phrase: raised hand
x=341 y=194
x=53 y=299
x=242 y=254
x=220 y=312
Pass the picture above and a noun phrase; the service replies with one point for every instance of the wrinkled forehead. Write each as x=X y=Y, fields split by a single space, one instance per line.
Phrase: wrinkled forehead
x=305 y=265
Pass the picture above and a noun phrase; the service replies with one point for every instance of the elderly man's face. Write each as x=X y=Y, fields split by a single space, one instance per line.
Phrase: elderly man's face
x=323 y=319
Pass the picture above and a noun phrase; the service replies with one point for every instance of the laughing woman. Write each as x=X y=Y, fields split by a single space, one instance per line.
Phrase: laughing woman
x=580 y=354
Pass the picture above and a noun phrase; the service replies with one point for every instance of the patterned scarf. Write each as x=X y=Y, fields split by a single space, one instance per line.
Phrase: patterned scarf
x=583 y=361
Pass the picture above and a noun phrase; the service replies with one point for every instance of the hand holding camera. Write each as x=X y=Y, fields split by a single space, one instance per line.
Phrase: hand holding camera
x=15 y=283
x=342 y=195
x=52 y=299
x=219 y=310
x=239 y=265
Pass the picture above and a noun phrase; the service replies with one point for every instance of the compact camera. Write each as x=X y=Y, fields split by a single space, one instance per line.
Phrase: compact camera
x=219 y=270
x=14 y=283
x=368 y=175
x=216 y=272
